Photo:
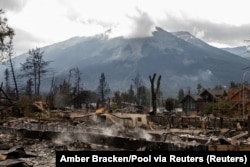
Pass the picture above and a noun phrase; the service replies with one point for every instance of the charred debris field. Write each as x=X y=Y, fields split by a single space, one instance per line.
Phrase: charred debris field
x=34 y=140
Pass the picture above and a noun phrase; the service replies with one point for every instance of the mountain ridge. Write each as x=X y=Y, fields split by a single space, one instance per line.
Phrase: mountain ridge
x=242 y=51
x=183 y=61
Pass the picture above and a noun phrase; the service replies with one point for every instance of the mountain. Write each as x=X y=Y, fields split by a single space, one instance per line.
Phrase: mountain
x=181 y=59
x=242 y=51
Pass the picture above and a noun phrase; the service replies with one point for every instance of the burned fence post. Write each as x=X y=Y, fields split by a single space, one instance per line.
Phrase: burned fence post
x=230 y=123
x=189 y=122
x=221 y=122
x=208 y=119
x=214 y=122
x=203 y=123
x=172 y=122
x=248 y=124
x=195 y=123
x=182 y=122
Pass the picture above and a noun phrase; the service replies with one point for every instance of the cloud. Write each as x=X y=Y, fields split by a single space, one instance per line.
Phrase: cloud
x=134 y=25
x=139 y=22
x=12 y=5
x=23 y=41
x=227 y=34
x=142 y=25
x=123 y=18
x=127 y=18
x=208 y=31
x=198 y=33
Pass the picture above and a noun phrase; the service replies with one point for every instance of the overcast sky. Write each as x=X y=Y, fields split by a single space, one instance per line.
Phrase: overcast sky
x=37 y=23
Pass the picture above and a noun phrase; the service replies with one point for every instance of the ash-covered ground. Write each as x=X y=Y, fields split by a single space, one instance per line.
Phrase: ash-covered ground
x=26 y=152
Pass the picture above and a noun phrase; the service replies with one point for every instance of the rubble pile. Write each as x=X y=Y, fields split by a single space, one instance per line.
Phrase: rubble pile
x=15 y=151
x=30 y=142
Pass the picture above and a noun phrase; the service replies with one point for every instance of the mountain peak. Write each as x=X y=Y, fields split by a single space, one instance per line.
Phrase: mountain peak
x=188 y=37
x=159 y=29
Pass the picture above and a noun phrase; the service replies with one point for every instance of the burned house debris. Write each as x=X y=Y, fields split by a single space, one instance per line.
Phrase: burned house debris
x=33 y=139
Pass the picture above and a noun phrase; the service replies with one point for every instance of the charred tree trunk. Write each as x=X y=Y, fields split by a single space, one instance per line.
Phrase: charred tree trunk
x=153 y=95
x=154 y=91
x=5 y=95
x=14 y=78
x=10 y=54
